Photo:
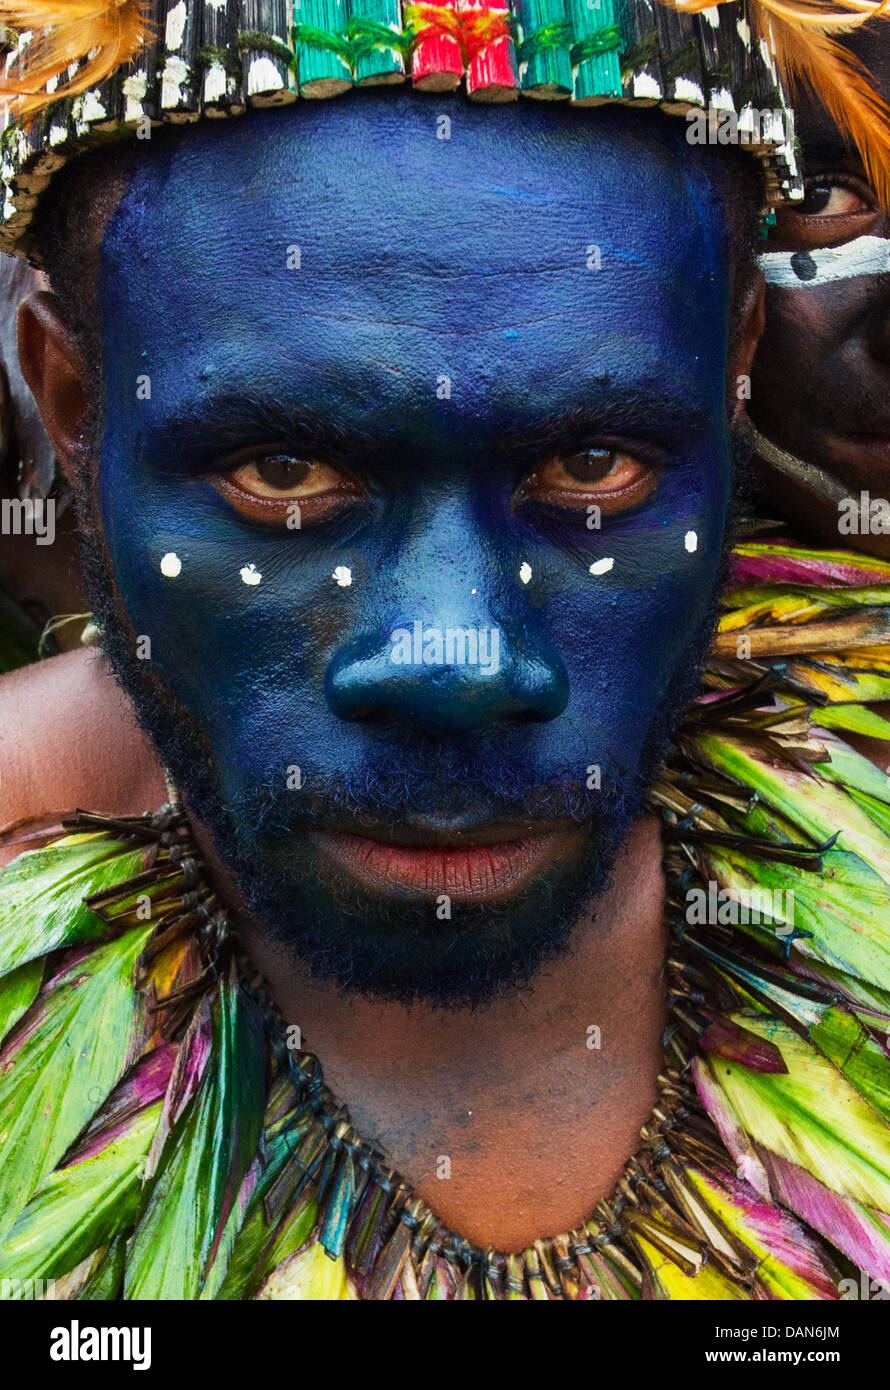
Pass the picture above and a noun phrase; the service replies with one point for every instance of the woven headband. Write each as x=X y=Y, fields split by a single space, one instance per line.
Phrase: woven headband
x=67 y=90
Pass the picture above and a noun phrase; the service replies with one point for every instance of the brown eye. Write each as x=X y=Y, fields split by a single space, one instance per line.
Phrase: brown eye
x=592 y=466
x=830 y=213
x=282 y=490
x=610 y=478
x=824 y=199
x=279 y=472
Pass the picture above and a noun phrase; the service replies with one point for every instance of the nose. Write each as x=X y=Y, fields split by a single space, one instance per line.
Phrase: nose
x=451 y=680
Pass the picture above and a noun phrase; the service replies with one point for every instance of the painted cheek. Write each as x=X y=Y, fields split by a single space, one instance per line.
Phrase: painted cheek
x=624 y=630
x=862 y=258
x=241 y=623
x=250 y=655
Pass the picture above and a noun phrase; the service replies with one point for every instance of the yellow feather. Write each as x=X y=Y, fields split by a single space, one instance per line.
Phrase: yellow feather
x=809 y=57
x=797 y=32
x=98 y=35
x=113 y=31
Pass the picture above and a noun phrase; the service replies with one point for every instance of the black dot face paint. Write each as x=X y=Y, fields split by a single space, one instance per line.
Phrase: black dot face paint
x=804 y=266
x=821 y=378
x=443 y=337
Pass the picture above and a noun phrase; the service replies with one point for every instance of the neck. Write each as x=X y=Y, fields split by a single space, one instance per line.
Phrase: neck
x=508 y=1120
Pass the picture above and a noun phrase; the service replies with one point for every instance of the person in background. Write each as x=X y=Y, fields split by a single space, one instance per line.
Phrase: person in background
x=821 y=378
x=39 y=567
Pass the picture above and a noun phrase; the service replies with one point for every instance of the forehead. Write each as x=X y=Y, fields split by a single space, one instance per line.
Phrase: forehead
x=818 y=133
x=367 y=236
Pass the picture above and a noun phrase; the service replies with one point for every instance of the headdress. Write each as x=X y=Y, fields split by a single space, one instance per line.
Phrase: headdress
x=80 y=72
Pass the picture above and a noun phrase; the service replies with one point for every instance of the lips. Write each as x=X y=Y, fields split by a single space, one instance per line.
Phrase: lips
x=481 y=867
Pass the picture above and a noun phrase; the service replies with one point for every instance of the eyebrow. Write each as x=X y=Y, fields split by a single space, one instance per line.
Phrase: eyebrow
x=640 y=412
x=224 y=421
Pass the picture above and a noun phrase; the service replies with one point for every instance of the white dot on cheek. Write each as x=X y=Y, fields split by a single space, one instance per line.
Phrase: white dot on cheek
x=170 y=565
x=602 y=566
x=525 y=572
x=250 y=574
x=690 y=540
x=342 y=576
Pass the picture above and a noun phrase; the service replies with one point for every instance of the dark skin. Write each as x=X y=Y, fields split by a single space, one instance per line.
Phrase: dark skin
x=821 y=377
x=43 y=581
x=514 y=1099
x=70 y=739
x=391 y=1062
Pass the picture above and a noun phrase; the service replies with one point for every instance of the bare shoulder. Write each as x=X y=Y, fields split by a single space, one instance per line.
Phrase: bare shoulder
x=69 y=738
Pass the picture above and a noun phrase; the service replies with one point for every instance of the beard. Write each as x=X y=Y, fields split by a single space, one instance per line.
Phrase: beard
x=344 y=933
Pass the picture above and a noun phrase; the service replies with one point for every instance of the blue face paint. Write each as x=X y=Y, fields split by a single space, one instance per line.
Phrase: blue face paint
x=546 y=266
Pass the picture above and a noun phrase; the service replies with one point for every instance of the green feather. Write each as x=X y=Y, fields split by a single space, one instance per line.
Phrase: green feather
x=68 y=1055
x=844 y=906
x=854 y=719
x=257 y=1252
x=42 y=892
x=107 y=1280
x=811 y=1116
x=817 y=806
x=254 y=1242
x=204 y=1160
x=876 y=810
x=852 y=770
x=79 y=1208
x=18 y=990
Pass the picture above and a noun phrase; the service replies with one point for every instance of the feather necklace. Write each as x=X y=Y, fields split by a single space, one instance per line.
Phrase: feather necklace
x=159 y=1138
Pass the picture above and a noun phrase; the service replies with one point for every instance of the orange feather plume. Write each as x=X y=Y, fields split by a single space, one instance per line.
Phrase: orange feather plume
x=100 y=35
x=96 y=35
x=800 y=35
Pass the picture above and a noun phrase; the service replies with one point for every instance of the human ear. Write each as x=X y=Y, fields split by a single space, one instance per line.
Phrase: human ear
x=744 y=344
x=53 y=369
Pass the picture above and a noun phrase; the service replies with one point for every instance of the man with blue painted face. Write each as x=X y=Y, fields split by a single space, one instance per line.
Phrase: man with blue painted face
x=404 y=455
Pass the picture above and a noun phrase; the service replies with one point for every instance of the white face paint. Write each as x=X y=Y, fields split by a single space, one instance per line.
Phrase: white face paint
x=250 y=574
x=690 y=540
x=790 y=270
x=602 y=566
x=342 y=576
x=170 y=565
x=525 y=572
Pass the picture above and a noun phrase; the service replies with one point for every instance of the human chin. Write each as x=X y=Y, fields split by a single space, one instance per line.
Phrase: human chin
x=373 y=909
x=278 y=642
x=447 y=942
x=450 y=941
x=456 y=948
x=450 y=954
